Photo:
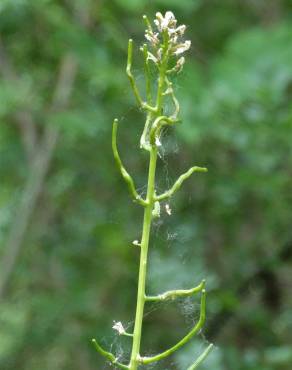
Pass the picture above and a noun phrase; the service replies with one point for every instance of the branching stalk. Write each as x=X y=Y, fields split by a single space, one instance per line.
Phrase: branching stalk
x=169 y=193
x=109 y=356
x=130 y=74
x=165 y=45
x=128 y=179
x=172 y=294
x=135 y=89
x=184 y=340
x=147 y=74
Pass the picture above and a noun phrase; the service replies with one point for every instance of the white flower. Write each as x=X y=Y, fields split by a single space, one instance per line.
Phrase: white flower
x=152 y=37
x=165 y=23
x=156 y=210
x=168 y=91
x=157 y=142
x=118 y=326
x=152 y=57
x=181 y=29
x=173 y=38
x=168 y=21
x=168 y=209
x=159 y=53
x=174 y=46
x=179 y=64
x=181 y=48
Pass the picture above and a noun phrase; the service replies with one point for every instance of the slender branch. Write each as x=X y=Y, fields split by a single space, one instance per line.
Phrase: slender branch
x=201 y=358
x=176 y=104
x=143 y=140
x=147 y=22
x=172 y=294
x=104 y=353
x=108 y=355
x=157 y=125
x=140 y=102
x=128 y=179
x=128 y=334
x=147 y=74
x=130 y=75
x=174 y=99
x=144 y=143
x=162 y=73
x=195 y=330
x=169 y=193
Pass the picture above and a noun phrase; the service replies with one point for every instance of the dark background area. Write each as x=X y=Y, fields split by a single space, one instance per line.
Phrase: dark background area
x=67 y=266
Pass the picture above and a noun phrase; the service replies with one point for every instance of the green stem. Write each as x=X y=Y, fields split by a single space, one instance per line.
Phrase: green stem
x=135 y=356
x=150 y=200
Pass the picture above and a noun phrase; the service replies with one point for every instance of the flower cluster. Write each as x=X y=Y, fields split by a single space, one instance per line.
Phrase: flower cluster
x=167 y=28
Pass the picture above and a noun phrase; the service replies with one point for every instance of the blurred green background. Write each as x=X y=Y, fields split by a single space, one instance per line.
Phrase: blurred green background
x=67 y=267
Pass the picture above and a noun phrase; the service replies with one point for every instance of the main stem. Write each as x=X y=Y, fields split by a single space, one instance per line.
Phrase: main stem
x=143 y=259
x=134 y=362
